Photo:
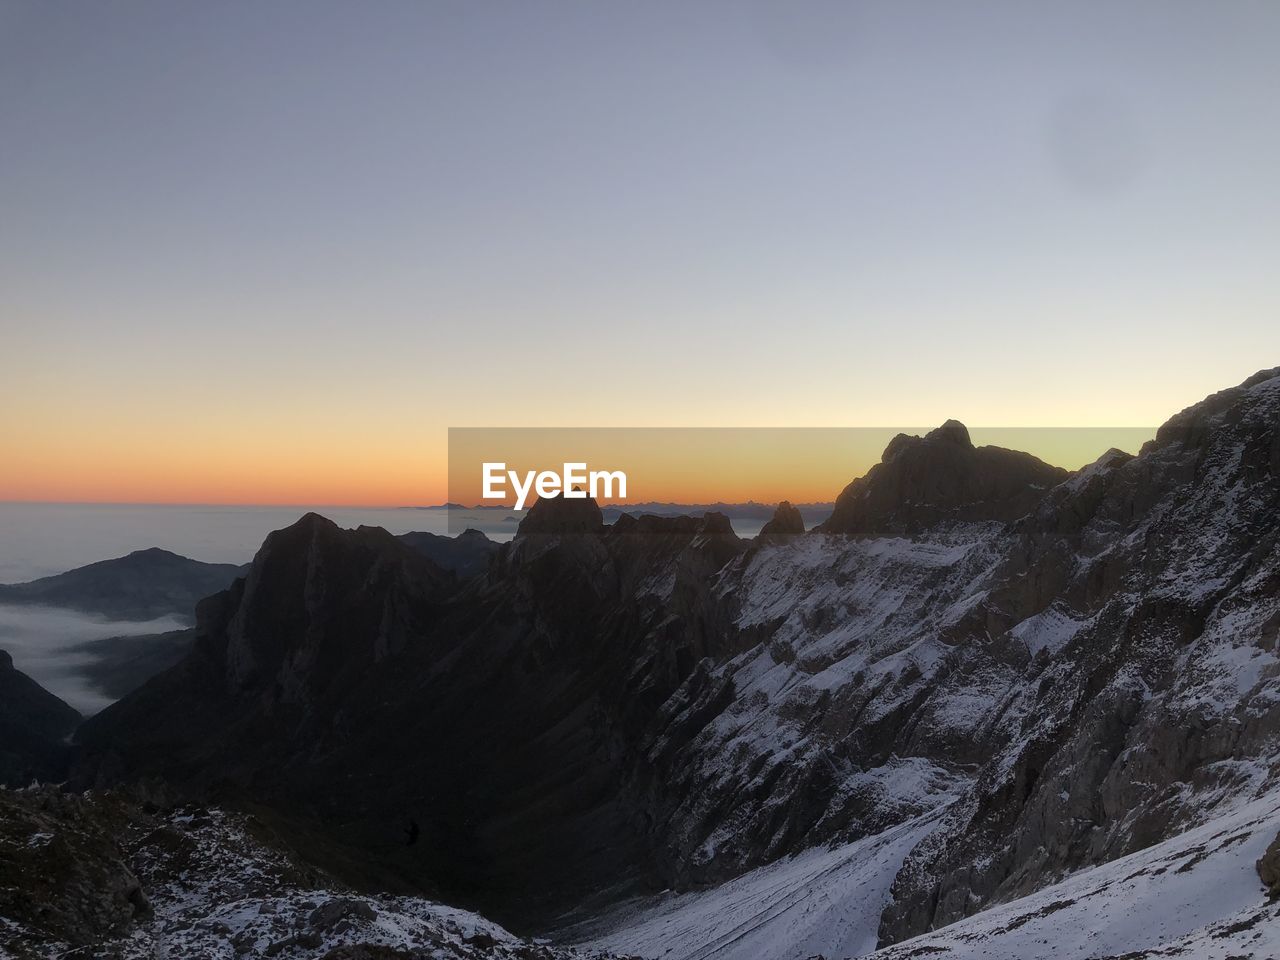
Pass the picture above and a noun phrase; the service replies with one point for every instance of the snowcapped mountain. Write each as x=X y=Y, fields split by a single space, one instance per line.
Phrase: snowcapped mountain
x=981 y=690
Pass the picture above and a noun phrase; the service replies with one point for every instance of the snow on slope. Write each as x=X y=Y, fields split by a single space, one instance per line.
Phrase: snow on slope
x=822 y=901
x=216 y=891
x=231 y=896
x=1196 y=895
x=855 y=643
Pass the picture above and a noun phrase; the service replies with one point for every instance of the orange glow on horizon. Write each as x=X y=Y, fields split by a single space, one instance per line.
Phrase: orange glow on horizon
x=206 y=469
x=800 y=466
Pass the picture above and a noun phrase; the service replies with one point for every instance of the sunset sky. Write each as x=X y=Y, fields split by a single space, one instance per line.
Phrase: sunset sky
x=271 y=252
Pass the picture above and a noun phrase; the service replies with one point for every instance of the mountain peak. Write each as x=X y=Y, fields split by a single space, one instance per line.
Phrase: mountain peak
x=942 y=476
x=953 y=431
x=315 y=595
x=156 y=553
x=786 y=520
x=312 y=520
x=560 y=514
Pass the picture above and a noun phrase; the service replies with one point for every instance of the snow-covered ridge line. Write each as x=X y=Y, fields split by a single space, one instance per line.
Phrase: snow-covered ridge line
x=1195 y=895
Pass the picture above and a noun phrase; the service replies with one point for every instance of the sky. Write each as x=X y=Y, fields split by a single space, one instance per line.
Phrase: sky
x=270 y=253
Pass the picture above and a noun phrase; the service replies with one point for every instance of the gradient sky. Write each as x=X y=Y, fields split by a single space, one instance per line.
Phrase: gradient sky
x=269 y=252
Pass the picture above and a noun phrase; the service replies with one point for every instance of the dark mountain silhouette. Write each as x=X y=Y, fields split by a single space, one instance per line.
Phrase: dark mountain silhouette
x=786 y=520
x=34 y=729
x=812 y=512
x=923 y=481
x=498 y=714
x=117 y=665
x=467 y=554
x=141 y=586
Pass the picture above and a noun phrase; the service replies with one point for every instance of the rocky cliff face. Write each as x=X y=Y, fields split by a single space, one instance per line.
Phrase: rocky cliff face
x=1049 y=670
x=1147 y=590
x=346 y=679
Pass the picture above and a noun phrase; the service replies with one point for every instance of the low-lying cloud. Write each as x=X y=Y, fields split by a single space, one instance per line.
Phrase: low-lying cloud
x=42 y=642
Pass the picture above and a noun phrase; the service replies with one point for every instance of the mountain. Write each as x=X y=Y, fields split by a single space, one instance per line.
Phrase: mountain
x=1196 y=895
x=1146 y=593
x=982 y=676
x=119 y=665
x=35 y=727
x=144 y=585
x=466 y=554
x=812 y=512
x=786 y=520
x=923 y=481
x=491 y=712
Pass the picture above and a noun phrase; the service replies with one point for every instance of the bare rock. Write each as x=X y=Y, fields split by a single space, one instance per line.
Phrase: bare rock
x=786 y=521
x=62 y=871
x=1269 y=869
x=922 y=481
x=329 y=915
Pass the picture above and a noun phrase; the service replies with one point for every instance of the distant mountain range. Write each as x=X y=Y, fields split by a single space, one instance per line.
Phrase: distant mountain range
x=144 y=585
x=749 y=510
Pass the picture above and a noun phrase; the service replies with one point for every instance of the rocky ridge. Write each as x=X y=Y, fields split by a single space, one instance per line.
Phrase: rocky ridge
x=921 y=482
x=112 y=877
x=1055 y=670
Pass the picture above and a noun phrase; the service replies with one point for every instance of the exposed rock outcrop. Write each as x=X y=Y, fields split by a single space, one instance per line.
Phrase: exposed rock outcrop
x=1144 y=588
x=63 y=874
x=786 y=521
x=558 y=515
x=1268 y=867
x=923 y=481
